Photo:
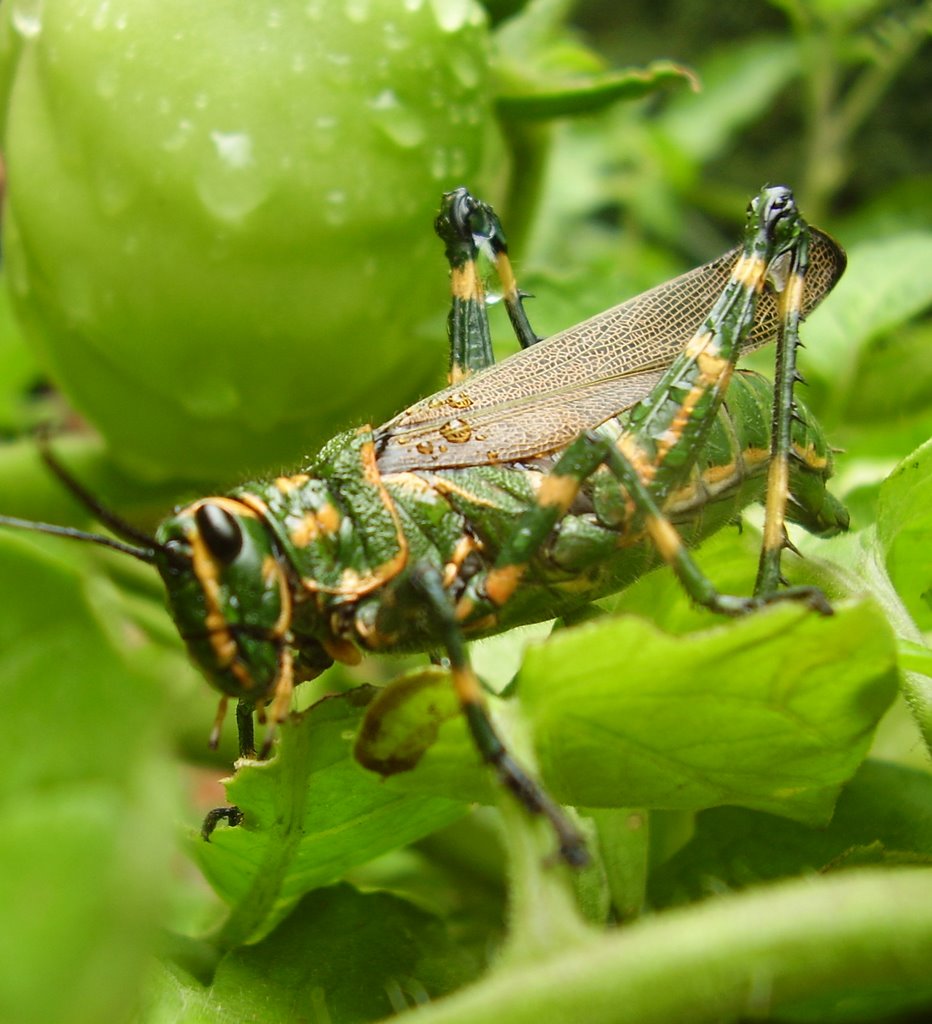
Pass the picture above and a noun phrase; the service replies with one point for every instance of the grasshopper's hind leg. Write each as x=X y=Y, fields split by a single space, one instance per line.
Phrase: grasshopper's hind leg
x=674 y=552
x=786 y=376
x=488 y=592
x=466 y=224
x=654 y=452
x=429 y=584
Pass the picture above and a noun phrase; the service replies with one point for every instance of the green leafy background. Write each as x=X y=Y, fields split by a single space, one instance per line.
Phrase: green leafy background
x=756 y=793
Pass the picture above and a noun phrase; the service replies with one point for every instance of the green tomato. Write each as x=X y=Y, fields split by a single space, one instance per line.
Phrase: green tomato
x=218 y=228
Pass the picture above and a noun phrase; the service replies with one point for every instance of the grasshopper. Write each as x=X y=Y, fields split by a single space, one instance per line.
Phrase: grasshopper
x=523 y=491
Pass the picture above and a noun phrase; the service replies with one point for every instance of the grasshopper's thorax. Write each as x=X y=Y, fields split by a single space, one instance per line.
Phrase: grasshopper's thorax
x=336 y=525
x=229 y=593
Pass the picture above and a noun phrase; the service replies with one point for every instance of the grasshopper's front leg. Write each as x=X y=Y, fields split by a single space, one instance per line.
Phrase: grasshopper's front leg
x=466 y=224
x=652 y=455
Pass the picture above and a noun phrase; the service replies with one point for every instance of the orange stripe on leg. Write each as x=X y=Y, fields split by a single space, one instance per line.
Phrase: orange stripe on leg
x=502 y=582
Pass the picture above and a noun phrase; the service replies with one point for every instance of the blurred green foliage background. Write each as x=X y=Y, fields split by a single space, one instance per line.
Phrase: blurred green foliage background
x=608 y=180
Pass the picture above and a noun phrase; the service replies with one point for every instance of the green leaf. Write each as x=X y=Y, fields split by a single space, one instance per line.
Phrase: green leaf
x=904 y=529
x=341 y=956
x=773 y=712
x=886 y=283
x=841 y=13
x=884 y=392
x=882 y=813
x=311 y=814
x=522 y=98
x=903 y=206
x=85 y=794
x=738 y=85
x=18 y=364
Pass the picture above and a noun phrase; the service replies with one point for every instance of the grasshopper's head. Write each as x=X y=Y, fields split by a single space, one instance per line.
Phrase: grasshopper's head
x=230 y=596
x=228 y=590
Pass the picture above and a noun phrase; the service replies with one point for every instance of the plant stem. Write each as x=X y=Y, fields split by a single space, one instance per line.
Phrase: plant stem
x=746 y=955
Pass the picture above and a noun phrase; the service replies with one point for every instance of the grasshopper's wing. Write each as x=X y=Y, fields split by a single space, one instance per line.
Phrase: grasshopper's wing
x=536 y=401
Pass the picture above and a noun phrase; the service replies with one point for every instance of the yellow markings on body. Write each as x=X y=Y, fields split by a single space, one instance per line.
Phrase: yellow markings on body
x=663 y=533
x=486 y=624
x=671 y=436
x=703 y=349
x=287 y=484
x=557 y=491
x=750 y=271
x=244 y=504
x=342 y=650
x=463 y=548
x=273 y=572
x=713 y=367
x=467 y=685
x=414 y=483
x=465 y=285
x=328 y=518
x=792 y=299
x=307 y=530
x=465 y=282
x=630 y=447
x=444 y=486
x=812 y=458
x=699 y=344
x=718 y=476
x=351 y=583
x=683 y=497
x=502 y=582
x=755 y=456
x=778 y=483
x=506 y=277
x=284 y=687
x=215 y=623
x=714 y=371
x=214 y=738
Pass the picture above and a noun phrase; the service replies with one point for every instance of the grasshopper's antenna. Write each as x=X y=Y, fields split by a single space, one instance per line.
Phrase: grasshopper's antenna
x=119 y=526
x=145 y=554
x=143 y=547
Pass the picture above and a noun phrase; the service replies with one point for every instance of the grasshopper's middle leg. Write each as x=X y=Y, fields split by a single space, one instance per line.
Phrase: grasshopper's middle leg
x=464 y=225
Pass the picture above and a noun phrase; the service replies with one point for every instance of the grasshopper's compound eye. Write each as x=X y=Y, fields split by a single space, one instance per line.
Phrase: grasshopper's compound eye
x=220 y=532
